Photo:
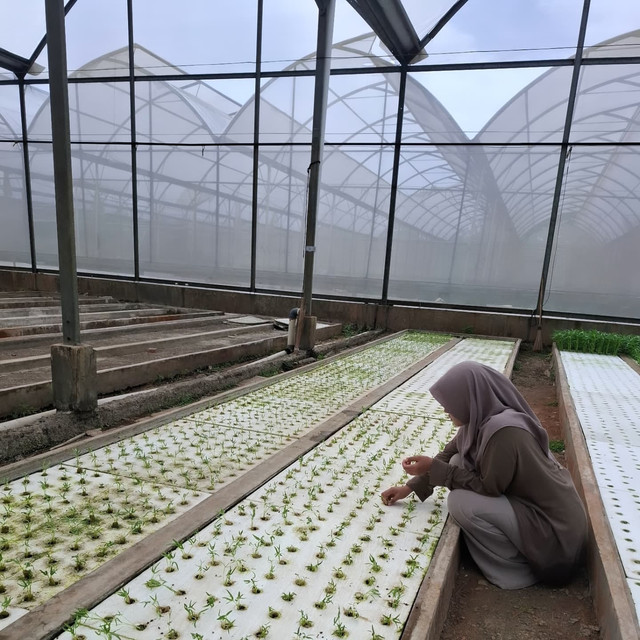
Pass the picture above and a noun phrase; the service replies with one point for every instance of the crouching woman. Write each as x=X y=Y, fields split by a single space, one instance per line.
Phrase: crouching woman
x=521 y=517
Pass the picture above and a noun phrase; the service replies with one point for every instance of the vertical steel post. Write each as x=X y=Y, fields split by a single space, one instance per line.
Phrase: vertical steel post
x=152 y=226
x=290 y=182
x=564 y=150
x=256 y=151
x=394 y=185
x=27 y=175
x=134 y=148
x=61 y=144
x=326 y=13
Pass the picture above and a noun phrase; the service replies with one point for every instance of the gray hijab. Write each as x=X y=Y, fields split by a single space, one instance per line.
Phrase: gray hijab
x=485 y=401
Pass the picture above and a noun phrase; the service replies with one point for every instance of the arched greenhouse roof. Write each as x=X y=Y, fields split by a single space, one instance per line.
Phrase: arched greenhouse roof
x=597 y=120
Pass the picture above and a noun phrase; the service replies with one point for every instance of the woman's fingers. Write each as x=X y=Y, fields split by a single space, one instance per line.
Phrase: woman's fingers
x=416 y=465
x=393 y=494
x=411 y=465
x=390 y=496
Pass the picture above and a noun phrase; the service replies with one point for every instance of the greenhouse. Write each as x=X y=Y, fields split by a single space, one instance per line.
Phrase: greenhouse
x=239 y=243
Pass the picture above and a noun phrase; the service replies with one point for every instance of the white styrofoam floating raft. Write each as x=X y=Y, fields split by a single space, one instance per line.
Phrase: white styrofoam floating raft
x=189 y=453
x=61 y=523
x=312 y=553
x=414 y=396
x=284 y=558
x=106 y=500
x=210 y=447
x=294 y=405
x=606 y=394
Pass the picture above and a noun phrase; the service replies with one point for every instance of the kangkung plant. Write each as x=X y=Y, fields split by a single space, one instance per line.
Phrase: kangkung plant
x=598 y=342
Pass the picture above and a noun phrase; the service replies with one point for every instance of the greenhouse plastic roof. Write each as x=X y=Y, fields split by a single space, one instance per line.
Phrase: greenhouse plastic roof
x=467 y=173
x=199 y=113
x=531 y=116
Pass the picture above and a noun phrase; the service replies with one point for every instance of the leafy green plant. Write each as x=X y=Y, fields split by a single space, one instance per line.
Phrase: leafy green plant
x=4 y=611
x=349 y=330
x=339 y=629
x=78 y=618
x=263 y=631
x=304 y=621
x=375 y=635
x=598 y=342
x=557 y=446
x=226 y=623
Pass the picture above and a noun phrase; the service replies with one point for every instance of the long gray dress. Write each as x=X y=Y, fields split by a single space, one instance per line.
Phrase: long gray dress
x=550 y=536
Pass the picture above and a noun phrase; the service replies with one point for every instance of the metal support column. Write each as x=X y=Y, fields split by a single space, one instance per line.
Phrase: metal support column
x=326 y=13
x=27 y=175
x=59 y=99
x=564 y=150
x=394 y=186
x=73 y=366
x=134 y=146
x=256 y=151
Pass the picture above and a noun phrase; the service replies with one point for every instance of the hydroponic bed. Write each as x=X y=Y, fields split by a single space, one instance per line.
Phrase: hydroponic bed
x=606 y=394
x=312 y=553
x=61 y=523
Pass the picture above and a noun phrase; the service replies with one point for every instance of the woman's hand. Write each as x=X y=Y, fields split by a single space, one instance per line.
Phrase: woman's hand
x=393 y=494
x=417 y=465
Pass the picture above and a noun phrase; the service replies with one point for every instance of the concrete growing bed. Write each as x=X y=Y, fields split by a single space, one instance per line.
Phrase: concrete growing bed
x=397 y=422
x=599 y=407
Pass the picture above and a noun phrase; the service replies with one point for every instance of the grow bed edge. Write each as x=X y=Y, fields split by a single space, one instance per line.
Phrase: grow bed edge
x=615 y=610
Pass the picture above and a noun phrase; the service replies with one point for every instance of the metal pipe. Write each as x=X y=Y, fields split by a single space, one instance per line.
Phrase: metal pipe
x=27 y=175
x=256 y=151
x=134 y=152
x=293 y=330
